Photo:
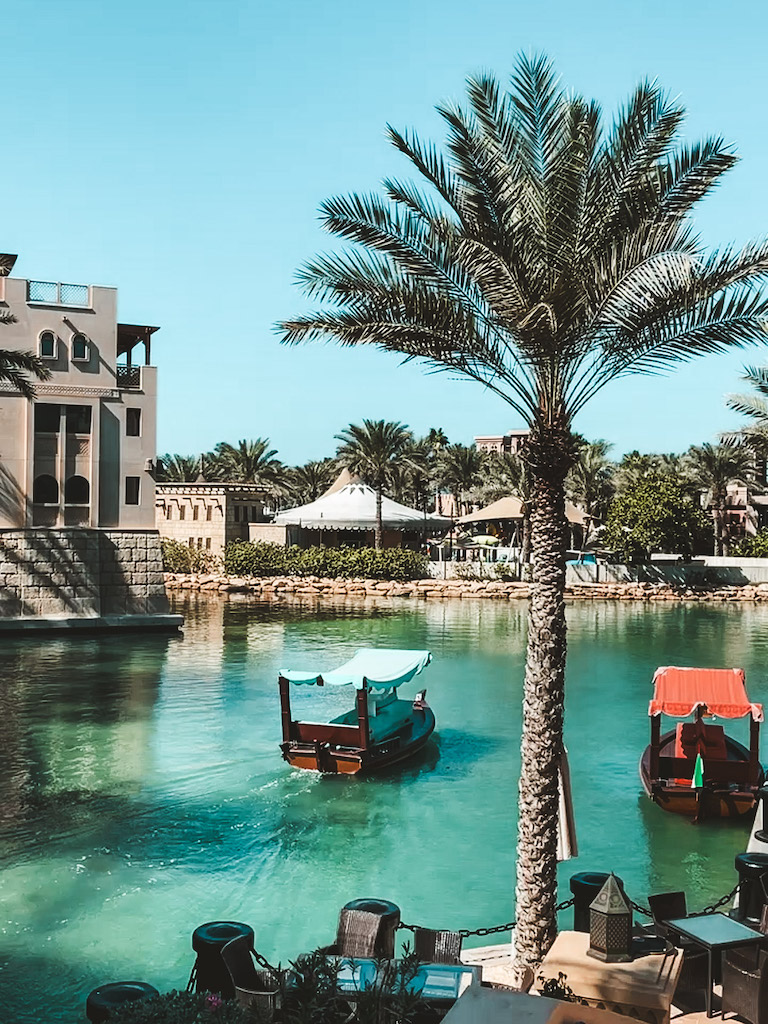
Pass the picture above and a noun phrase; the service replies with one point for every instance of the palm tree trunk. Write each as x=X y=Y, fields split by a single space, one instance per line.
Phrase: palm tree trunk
x=542 y=738
x=525 y=548
x=379 y=532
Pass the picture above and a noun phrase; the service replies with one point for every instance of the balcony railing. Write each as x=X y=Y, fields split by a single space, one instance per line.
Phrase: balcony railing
x=129 y=378
x=54 y=293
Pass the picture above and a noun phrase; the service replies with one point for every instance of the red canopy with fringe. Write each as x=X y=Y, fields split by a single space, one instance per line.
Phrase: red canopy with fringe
x=678 y=692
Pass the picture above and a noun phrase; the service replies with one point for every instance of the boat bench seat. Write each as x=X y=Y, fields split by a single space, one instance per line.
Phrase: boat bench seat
x=691 y=737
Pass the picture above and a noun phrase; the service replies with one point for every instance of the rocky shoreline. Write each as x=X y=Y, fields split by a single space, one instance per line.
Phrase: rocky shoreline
x=275 y=587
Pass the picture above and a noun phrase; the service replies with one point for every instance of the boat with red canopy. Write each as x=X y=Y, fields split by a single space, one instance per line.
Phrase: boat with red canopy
x=697 y=769
x=380 y=730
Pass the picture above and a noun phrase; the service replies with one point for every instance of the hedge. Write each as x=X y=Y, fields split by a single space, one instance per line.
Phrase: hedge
x=243 y=558
x=178 y=557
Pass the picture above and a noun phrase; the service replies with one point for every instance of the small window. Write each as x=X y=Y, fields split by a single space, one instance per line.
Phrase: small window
x=209 y=513
x=131 y=490
x=78 y=419
x=79 y=348
x=168 y=511
x=237 y=513
x=133 y=422
x=45 y=490
x=195 y=511
x=191 y=542
x=47 y=345
x=207 y=543
x=182 y=512
x=199 y=543
x=47 y=418
x=77 y=491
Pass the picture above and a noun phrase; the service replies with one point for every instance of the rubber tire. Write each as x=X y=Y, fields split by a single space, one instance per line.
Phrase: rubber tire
x=109 y=997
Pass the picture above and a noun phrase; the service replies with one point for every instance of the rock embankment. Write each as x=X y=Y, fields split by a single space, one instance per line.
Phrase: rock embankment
x=312 y=586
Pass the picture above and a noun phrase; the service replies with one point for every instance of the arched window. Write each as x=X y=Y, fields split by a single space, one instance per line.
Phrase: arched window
x=47 y=345
x=77 y=491
x=79 y=347
x=45 y=490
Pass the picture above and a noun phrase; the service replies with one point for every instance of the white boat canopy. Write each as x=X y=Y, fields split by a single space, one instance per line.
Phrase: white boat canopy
x=353 y=507
x=382 y=668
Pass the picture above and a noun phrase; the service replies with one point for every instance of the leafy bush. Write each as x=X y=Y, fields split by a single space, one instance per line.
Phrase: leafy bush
x=243 y=558
x=753 y=547
x=181 y=1008
x=656 y=515
x=178 y=557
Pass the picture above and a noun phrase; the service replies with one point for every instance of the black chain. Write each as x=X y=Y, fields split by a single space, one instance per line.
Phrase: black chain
x=638 y=909
x=466 y=932
x=722 y=901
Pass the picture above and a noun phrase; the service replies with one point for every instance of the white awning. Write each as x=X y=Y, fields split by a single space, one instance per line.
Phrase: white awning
x=378 y=667
x=353 y=507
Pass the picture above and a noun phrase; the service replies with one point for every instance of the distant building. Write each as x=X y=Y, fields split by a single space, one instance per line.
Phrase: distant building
x=207 y=516
x=503 y=444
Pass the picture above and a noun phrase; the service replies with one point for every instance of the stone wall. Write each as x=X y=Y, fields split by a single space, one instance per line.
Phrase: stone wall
x=80 y=573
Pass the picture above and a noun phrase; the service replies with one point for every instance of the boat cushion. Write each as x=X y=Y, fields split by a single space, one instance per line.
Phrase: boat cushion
x=692 y=738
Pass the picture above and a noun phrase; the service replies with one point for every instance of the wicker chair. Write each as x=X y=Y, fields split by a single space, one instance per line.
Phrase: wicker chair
x=695 y=973
x=357 y=934
x=254 y=988
x=745 y=988
x=437 y=947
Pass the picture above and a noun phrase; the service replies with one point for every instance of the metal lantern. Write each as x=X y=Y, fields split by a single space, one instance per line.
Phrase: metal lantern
x=610 y=925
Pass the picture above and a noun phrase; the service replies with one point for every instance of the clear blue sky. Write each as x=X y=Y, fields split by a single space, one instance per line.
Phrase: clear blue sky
x=179 y=150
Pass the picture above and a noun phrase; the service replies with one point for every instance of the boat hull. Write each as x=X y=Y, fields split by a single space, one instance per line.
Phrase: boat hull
x=335 y=759
x=721 y=800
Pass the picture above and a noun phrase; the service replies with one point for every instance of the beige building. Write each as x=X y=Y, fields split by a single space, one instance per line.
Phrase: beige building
x=509 y=443
x=82 y=454
x=207 y=516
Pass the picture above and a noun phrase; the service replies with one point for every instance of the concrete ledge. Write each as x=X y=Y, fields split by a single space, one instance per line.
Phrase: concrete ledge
x=94 y=624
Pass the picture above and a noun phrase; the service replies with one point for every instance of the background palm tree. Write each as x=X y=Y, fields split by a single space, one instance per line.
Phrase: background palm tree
x=590 y=483
x=712 y=468
x=308 y=482
x=251 y=462
x=548 y=257
x=370 y=450
x=178 y=468
x=460 y=471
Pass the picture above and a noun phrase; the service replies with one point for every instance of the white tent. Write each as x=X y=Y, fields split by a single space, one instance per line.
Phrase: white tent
x=353 y=507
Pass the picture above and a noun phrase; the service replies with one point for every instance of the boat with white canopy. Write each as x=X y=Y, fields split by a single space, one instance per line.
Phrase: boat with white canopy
x=380 y=730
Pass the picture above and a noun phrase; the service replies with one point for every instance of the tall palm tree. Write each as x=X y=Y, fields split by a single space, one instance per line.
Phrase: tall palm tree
x=460 y=471
x=251 y=462
x=370 y=450
x=178 y=468
x=308 y=482
x=548 y=256
x=712 y=468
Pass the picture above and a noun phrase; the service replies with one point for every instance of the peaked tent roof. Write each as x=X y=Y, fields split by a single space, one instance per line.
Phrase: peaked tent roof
x=344 y=478
x=512 y=508
x=677 y=692
x=354 y=508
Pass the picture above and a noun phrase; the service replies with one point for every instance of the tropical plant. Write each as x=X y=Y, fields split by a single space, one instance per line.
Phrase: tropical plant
x=655 y=515
x=507 y=474
x=550 y=257
x=244 y=558
x=755 y=408
x=250 y=462
x=460 y=471
x=753 y=547
x=178 y=468
x=181 y=1008
x=17 y=368
x=712 y=468
x=589 y=483
x=370 y=450
x=306 y=483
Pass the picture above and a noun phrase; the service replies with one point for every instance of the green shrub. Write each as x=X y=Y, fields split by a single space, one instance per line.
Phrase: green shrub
x=178 y=557
x=752 y=547
x=243 y=558
x=181 y=1008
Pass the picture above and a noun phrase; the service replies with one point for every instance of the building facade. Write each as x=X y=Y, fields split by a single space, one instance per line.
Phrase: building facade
x=207 y=516
x=509 y=443
x=77 y=492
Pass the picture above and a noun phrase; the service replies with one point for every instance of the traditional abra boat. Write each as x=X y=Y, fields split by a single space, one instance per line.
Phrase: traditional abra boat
x=696 y=769
x=379 y=731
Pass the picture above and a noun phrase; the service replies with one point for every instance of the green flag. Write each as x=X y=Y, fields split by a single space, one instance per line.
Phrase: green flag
x=697 y=782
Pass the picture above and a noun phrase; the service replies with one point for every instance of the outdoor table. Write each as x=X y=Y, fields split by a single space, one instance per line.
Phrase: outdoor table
x=435 y=983
x=642 y=988
x=714 y=932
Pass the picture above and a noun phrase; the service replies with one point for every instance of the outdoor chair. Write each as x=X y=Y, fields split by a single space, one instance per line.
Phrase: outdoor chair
x=664 y=906
x=745 y=990
x=357 y=934
x=254 y=988
x=745 y=958
x=436 y=947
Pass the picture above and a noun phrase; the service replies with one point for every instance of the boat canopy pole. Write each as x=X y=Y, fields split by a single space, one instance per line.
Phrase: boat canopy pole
x=653 y=767
x=362 y=715
x=285 y=707
x=754 y=750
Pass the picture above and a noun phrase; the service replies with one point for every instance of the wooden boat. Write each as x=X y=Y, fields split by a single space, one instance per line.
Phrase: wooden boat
x=728 y=776
x=379 y=731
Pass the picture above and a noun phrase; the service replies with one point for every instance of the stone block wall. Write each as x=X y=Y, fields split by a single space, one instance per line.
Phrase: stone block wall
x=80 y=573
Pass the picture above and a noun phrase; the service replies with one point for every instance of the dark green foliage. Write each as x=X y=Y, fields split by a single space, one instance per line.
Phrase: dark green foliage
x=242 y=558
x=178 y=557
x=753 y=547
x=181 y=1008
x=557 y=988
x=655 y=514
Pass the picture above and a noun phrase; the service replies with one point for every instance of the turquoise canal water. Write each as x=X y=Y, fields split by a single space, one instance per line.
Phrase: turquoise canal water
x=142 y=791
